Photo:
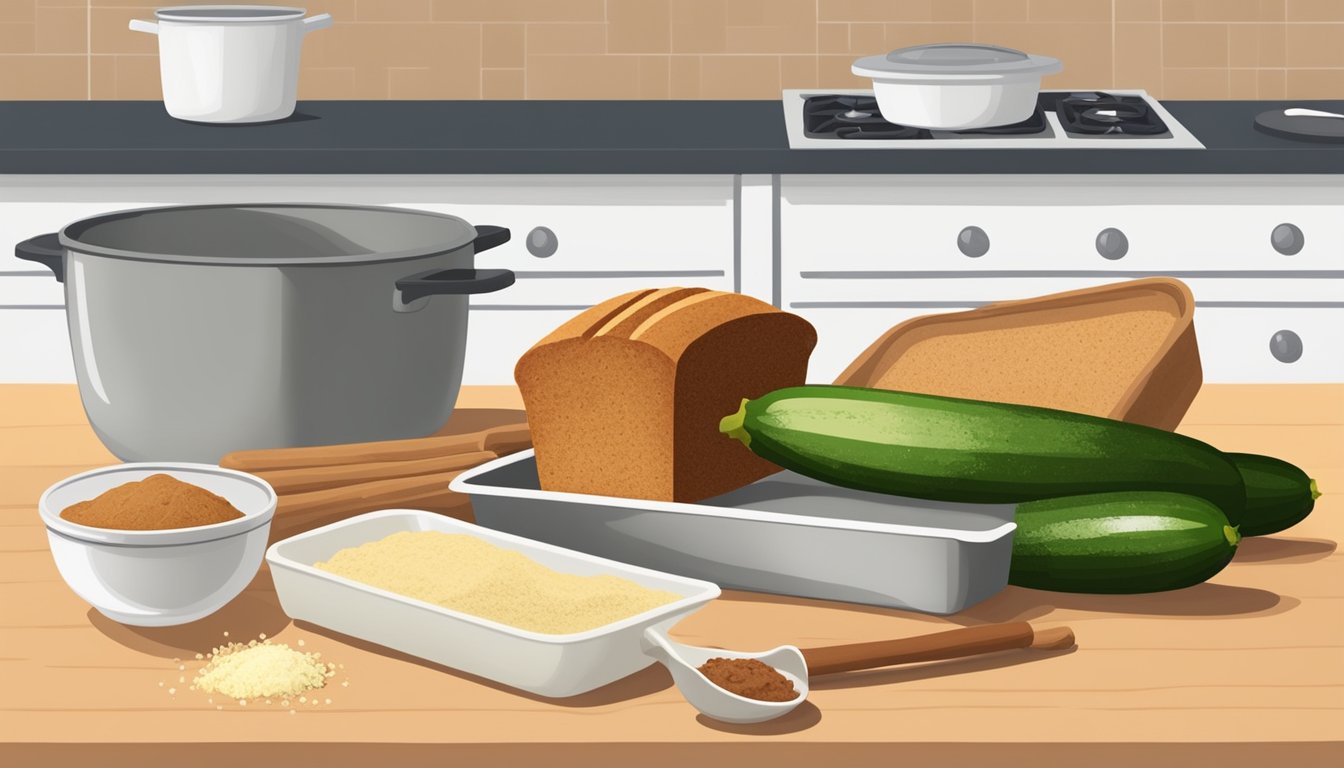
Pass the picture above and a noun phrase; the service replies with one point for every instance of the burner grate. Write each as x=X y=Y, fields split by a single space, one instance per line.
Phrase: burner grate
x=851 y=117
x=858 y=118
x=1102 y=114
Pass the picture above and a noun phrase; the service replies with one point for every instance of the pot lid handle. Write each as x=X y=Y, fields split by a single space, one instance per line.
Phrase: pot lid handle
x=956 y=55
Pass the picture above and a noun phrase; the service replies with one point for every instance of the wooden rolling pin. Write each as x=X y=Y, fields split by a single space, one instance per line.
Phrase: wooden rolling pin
x=500 y=440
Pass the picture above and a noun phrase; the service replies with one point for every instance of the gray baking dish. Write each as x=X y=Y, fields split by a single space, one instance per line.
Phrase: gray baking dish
x=785 y=534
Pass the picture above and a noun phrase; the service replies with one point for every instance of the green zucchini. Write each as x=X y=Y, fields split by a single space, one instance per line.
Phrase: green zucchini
x=953 y=449
x=1278 y=494
x=1120 y=543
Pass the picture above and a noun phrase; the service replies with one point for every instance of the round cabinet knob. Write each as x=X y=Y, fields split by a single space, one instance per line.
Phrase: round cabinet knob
x=1285 y=346
x=541 y=242
x=1287 y=239
x=973 y=242
x=1112 y=244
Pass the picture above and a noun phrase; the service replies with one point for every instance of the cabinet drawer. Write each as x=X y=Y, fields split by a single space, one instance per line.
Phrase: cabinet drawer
x=843 y=334
x=497 y=338
x=1271 y=345
x=659 y=225
x=38 y=289
x=36 y=348
x=1080 y=224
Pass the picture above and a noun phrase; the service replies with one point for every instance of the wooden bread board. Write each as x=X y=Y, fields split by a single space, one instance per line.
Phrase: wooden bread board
x=1124 y=351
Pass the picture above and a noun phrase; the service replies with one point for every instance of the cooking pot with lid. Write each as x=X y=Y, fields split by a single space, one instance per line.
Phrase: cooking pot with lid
x=956 y=86
x=200 y=330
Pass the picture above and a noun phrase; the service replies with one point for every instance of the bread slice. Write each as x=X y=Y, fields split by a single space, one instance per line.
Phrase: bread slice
x=1125 y=351
x=625 y=398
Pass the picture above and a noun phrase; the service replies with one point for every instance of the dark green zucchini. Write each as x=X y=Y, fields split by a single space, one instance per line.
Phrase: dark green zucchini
x=1278 y=494
x=1120 y=543
x=953 y=449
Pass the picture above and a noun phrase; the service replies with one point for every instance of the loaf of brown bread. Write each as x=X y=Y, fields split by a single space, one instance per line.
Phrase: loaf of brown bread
x=625 y=399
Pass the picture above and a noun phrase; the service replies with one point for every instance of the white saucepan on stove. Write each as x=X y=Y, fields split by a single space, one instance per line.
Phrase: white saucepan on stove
x=956 y=86
x=230 y=63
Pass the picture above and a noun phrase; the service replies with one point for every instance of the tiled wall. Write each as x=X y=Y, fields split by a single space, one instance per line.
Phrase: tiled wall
x=689 y=49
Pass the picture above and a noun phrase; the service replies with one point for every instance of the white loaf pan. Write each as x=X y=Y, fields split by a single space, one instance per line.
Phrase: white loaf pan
x=547 y=665
x=785 y=534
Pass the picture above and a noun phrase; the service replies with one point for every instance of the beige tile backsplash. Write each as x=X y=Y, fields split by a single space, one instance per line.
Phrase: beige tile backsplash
x=701 y=49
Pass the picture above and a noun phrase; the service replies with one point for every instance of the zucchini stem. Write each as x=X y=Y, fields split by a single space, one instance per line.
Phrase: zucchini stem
x=1232 y=535
x=1315 y=492
x=732 y=425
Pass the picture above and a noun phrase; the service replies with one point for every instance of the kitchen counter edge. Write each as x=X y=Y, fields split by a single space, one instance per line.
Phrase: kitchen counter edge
x=583 y=137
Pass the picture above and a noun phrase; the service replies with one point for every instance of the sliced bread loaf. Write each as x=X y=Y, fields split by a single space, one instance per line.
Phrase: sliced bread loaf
x=625 y=398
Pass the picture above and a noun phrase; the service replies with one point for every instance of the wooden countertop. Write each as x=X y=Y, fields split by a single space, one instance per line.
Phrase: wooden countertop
x=1246 y=669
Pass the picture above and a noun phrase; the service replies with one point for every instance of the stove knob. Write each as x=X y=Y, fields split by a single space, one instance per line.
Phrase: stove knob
x=1285 y=346
x=1112 y=244
x=973 y=242
x=1287 y=239
x=541 y=243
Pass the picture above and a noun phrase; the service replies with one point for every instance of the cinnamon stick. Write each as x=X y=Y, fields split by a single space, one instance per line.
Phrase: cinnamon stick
x=304 y=511
x=305 y=479
x=502 y=439
x=506 y=439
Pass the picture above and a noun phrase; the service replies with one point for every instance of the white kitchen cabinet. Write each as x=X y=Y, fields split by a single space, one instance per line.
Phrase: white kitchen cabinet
x=853 y=254
x=577 y=240
x=1261 y=254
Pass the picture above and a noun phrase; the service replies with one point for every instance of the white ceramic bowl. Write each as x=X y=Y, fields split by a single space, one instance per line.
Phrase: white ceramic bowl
x=166 y=577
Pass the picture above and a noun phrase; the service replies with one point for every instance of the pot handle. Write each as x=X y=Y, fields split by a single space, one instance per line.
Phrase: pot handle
x=453 y=282
x=144 y=26
x=45 y=250
x=489 y=236
x=314 y=23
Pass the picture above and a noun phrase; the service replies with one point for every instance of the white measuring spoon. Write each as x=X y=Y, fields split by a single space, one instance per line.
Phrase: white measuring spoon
x=797 y=665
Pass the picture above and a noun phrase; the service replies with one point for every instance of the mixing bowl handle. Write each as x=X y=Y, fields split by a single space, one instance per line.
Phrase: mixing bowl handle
x=489 y=236
x=453 y=282
x=47 y=251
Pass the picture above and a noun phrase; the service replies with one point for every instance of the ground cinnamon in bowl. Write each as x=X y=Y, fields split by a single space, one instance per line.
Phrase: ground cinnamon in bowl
x=156 y=503
x=750 y=678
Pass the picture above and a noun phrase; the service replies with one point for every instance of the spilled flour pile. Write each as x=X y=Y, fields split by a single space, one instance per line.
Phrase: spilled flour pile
x=262 y=670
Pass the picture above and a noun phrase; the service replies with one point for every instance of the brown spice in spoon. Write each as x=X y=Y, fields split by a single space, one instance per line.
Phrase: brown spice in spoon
x=750 y=678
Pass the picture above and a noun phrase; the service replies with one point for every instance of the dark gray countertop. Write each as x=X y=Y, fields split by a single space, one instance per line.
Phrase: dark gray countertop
x=598 y=137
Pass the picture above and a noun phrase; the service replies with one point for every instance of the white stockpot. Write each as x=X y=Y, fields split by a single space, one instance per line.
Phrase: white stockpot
x=956 y=86
x=230 y=63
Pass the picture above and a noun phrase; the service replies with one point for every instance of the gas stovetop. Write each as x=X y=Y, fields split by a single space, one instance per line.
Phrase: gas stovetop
x=1117 y=119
